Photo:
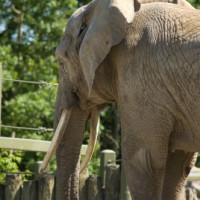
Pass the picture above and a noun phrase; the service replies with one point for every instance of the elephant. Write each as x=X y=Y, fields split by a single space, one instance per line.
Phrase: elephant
x=146 y=58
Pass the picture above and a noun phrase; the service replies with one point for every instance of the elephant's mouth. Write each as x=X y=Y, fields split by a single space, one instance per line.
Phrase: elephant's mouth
x=59 y=134
x=94 y=126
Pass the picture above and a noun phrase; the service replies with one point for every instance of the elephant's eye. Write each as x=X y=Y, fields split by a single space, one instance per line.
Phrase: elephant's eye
x=82 y=29
x=81 y=35
x=60 y=62
x=66 y=53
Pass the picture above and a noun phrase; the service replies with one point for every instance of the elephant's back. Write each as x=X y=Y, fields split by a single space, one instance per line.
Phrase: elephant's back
x=164 y=41
x=164 y=23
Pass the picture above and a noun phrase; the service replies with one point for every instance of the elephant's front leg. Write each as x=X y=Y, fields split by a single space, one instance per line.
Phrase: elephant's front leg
x=144 y=151
x=178 y=167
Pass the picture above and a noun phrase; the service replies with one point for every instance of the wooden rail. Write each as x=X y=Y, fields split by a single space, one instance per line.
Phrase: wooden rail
x=29 y=145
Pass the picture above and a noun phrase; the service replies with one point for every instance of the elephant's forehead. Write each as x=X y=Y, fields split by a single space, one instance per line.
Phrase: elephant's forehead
x=80 y=14
x=75 y=19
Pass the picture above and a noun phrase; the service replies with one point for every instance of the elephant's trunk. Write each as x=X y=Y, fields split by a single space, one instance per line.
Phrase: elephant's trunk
x=68 y=138
x=94 y=126
x=68 y=154
x=56 y=139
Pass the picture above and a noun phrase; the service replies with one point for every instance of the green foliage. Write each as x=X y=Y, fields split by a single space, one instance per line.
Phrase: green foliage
x=36 y=106
x=195 y=3
x=83 y=2
x=27 y=52
x=9 y=162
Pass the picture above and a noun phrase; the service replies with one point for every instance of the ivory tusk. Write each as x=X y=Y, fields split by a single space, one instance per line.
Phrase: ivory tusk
x=56 y=138
x=92 y=140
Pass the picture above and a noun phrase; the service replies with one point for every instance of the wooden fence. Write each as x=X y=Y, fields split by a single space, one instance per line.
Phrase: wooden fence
x=44 y=188
x=110 y=185
x=92 y=187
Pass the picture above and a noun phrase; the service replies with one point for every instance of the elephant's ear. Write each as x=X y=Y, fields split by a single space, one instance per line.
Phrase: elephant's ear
x=105 y=29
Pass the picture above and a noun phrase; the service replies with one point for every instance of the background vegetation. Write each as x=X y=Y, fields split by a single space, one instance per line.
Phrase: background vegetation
x=29 y=33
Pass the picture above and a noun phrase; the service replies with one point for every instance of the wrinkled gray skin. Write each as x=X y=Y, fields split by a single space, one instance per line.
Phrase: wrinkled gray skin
x=149 y=63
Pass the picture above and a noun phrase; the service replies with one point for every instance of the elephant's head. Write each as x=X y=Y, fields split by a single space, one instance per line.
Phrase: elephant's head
x=90 y=33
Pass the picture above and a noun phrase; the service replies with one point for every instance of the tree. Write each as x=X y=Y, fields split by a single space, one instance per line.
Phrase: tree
x=195 y=3
x=29 y=34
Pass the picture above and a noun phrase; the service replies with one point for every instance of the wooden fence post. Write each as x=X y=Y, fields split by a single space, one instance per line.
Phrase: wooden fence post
x=29 y=191
x=124 y=191
x=107 y=156
x=94 y=188
x=46 y=188
x=190 y=194
x=13 y=186
x=2 y=192
x=112 y=190
x=37 y=166
x=83 y=190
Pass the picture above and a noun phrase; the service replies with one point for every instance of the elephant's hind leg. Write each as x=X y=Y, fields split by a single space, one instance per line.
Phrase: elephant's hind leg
x=178 y=167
